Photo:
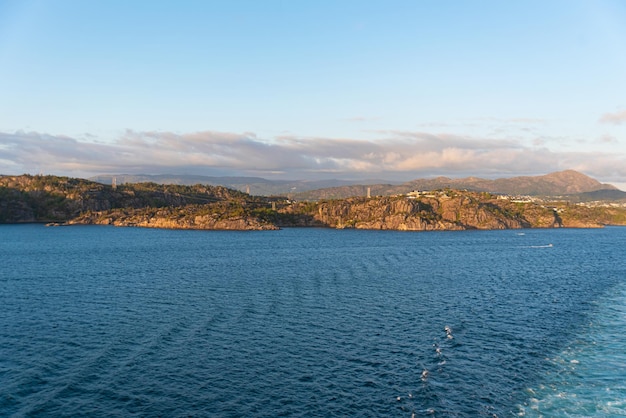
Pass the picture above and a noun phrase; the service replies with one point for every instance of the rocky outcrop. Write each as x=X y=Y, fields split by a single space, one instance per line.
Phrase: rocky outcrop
x=59 y=199
x=238 y=223
x=76 y=201
x=448 y=211
x=173 y=218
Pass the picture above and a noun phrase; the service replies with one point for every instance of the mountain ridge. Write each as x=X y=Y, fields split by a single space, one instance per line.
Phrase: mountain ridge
x=566 y=182
x=561 y=183
x=253 y=185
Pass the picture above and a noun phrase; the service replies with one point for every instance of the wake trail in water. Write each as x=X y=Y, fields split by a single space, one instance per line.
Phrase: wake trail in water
x=586 y=379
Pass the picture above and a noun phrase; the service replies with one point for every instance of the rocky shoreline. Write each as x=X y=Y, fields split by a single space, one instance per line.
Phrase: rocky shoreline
x=461 y=211
x=66 y=201
x=164 y=219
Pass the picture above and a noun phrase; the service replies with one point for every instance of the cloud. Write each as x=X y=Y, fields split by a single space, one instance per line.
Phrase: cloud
x=616 y=118
x=395 y=155
x=607 y=139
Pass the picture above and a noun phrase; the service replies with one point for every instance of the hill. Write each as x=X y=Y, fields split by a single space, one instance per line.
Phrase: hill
x=604 y=195
x=63 y=200
x=253 y=185
x=450 y=210
x=563 y=183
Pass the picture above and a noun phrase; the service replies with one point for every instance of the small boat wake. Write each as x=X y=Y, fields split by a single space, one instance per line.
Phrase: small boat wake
x=540 y=246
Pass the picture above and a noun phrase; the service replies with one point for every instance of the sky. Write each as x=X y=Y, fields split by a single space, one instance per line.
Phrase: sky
x=320 y=89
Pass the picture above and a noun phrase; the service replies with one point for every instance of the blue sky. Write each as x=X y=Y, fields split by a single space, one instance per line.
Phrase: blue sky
x=318 y=89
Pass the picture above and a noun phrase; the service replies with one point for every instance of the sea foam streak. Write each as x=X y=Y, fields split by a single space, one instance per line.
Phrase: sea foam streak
x=587 y=377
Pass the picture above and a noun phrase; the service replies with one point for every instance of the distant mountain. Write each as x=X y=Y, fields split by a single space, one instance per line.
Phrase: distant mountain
x=560 y=183
x=604 y=195
x=253 y=185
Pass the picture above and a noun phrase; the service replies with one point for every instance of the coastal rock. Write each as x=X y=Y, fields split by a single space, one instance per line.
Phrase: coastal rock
x=181 y=218
x=448 y=211
x=59 y=200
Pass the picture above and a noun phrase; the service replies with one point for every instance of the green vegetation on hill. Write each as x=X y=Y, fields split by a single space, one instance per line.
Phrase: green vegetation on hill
x=61 y=199
x=76 y=201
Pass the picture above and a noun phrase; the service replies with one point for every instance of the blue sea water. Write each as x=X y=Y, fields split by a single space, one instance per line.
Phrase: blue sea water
x=104 y=321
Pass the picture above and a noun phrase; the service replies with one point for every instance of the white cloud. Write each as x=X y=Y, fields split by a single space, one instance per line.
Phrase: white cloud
x=616 y=118
x=400 y=155
x=607 y=139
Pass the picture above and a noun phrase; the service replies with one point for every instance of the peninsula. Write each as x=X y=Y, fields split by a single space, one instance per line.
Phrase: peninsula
x=71 y=201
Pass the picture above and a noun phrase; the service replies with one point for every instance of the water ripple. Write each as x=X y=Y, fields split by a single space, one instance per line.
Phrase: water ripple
x=129 y=322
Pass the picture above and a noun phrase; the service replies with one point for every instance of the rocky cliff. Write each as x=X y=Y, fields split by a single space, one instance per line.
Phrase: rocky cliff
x=217 y=217
x=75 y=201
x=447 y=211
x=59 y=199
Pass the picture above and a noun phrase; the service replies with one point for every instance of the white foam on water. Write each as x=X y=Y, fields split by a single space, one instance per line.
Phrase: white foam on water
x=588 y=378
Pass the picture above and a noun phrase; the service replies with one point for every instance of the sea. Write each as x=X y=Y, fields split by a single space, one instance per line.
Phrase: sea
x=102 y=321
